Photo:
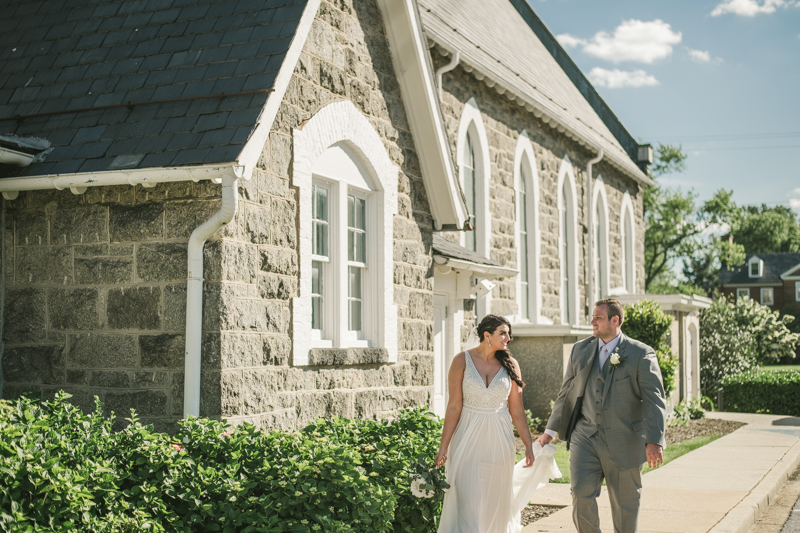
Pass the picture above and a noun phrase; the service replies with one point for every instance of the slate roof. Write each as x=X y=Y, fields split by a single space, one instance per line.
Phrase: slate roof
x=493 y=38
x=58 y=55
x=443 y=247
x=774 y=266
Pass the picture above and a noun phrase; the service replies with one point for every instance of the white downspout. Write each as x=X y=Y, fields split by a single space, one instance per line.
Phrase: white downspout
x=446 y=68
x=591 y=225
x=194 y=292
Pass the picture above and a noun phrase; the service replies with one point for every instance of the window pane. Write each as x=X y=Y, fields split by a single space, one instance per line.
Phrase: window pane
x=525 y=299
x=361 y=214
x=356 y=229
x=321 y=204
x=469 y=190
x=316 y=295
x=319 y=215
x=354 y=298
x=355 y=282
x=351 y=211
x=361 y=247
x=523 y=252
x=320 y=239
x=355 y=315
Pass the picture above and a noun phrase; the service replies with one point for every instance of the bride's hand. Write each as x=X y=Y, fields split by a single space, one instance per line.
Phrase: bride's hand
x=441 y=458
x=528 y=457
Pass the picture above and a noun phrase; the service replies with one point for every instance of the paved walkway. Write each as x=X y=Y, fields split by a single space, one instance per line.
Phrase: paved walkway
x=722 y=487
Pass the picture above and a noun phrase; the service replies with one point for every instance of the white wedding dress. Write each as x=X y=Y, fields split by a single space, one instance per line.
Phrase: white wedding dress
x=487 y=491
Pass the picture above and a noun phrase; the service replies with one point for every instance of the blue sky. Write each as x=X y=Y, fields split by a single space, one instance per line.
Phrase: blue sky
x=720 y=77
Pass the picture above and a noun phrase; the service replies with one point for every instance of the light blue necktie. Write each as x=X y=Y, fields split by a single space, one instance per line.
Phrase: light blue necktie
x=603 y=356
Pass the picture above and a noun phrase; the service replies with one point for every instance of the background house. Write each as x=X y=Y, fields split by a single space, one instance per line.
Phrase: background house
x=770 y=279
x=341 y=279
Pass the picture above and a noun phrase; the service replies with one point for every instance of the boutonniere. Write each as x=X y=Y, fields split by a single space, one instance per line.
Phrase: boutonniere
x=616 y=358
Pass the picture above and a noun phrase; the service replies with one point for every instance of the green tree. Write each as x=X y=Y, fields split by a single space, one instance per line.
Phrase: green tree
x=767 y=230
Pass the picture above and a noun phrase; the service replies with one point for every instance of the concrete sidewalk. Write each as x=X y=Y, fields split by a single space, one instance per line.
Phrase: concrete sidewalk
x=721 y=488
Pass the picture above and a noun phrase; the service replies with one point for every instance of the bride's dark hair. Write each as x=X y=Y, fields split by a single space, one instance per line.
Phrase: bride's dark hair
x=489 y=325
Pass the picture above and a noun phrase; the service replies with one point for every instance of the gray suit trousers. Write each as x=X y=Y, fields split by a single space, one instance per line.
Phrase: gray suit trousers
x=589 y=463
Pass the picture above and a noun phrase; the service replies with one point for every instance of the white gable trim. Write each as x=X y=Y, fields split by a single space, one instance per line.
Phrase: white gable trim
x=254 y=146
x=472 y=122
x=787 y=274
x=599 y=195
x=335 y=123
x=524 y=153
x=569 y=308
x=415 y=76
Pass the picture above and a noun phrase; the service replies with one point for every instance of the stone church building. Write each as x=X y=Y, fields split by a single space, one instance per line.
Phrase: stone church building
x=274 y=210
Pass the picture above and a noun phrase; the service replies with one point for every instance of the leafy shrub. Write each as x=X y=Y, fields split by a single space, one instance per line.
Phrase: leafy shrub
x=763 y=392
x=62 y=470
x=736 y=336
x=685 y=411
x=645 y=321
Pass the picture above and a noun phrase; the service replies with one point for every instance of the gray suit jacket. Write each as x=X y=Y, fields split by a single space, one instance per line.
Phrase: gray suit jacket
x=634 y=406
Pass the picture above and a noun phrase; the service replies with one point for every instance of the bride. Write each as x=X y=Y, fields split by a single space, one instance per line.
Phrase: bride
x=486 y=491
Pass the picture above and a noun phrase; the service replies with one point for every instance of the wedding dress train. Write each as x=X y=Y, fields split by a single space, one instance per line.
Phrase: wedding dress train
x=487 y=491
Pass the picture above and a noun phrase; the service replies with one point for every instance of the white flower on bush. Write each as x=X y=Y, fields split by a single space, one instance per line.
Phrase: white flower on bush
x=417 y=490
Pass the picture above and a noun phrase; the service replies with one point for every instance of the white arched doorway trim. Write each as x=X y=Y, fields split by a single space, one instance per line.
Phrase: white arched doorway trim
x=471 y=122
x=525 y=169
x=600 y=248
x=566 y=183
x=342 y=123
x=628 y=244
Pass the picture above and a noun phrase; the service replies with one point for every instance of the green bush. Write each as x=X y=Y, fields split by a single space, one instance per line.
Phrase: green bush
x=62 y=470
x=736 y=336
x=685 y=411
x=645 y=321
x=776 y=393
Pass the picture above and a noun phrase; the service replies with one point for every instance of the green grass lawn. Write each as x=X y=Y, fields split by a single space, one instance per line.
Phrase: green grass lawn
x=673 y=451
x=776 y=368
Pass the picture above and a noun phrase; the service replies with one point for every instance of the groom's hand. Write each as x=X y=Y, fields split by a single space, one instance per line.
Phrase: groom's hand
x=544 y=438
x=654 y=456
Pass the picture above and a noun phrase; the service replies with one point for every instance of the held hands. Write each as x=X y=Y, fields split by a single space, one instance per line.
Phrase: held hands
x=655 y=457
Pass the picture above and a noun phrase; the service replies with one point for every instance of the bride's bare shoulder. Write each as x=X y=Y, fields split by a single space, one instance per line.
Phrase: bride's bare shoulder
x=459 y=361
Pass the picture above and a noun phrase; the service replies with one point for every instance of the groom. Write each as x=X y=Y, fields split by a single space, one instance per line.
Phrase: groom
x=611 y=413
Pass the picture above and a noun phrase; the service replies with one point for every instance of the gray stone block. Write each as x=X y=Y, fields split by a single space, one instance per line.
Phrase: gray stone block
x=79 y=226
x=150 y=379
x=101 y=351
x=144 y=222
x=258 y=394
x=257 y=225
x=134 y=308
x=110 y=379
x=162 y=351
x=183 y=217
x=91 y=250
x=347 y=378
x=50 y=265
x=231 y=391
x=161 y=261
x=119 y=250
x=273 y=287
x=279 y=261
x=311 y=405
x=78 y=377
x=103 y=270
x=146 y=403
x=175 y=307
x=34 y=364
x=284 y=223
x=347 y=356
x=421 y=370
x=73 y=309
x=277 y=350
x=30 y=228
x=24 y=317
x=239 y=262
x=240 y=350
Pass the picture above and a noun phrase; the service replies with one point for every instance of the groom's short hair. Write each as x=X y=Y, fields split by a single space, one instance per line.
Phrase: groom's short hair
x=614 y=308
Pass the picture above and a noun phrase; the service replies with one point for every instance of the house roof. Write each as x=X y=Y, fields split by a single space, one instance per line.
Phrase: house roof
x=147 y=83
x=445 y=248
x=774 y=266
x=497 y=43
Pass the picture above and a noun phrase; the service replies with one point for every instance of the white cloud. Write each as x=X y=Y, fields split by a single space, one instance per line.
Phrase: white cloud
x=750 y=8
x=570 y=41
x=617 y=79
x=794 y=203
x=700 y=56
x=633 y=40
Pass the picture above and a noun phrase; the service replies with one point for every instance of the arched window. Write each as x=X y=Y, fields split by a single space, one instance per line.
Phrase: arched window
x=568 y=243
x=600 y=240
x=472 y=154
x=528 y=238
x=628 y=240
x=347 y=188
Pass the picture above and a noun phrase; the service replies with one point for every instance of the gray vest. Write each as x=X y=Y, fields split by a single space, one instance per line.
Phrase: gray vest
x=591 y=420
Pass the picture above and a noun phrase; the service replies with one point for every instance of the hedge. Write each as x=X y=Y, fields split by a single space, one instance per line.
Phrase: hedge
x=62 y=470
x=776 y=393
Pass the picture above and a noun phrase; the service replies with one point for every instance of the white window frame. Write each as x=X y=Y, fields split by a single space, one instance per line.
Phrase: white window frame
x=566 y=181
x=627 y=226
x=771 y=292
x=472 y=122
x=341 y=123
x=742 y=293
x=600 y=249
x=797 y=291
x=755 y=261
x=525 y=169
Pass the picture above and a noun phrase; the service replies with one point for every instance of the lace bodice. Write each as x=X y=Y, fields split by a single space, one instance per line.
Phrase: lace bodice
x=477 y=395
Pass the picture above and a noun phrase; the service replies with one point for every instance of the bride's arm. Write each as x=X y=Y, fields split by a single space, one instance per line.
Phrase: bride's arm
x=517 y=411
x=454 y=403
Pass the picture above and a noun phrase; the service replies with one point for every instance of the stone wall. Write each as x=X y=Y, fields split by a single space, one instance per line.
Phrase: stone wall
x=95 y=296
x=504 y=122
x=346 y=56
